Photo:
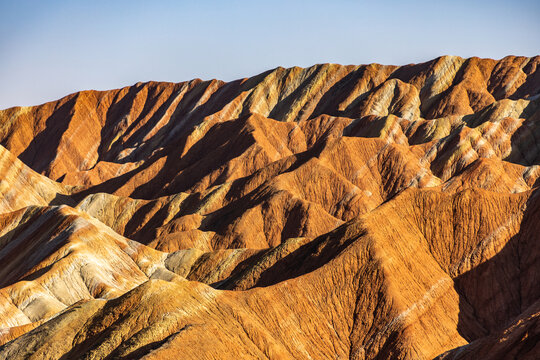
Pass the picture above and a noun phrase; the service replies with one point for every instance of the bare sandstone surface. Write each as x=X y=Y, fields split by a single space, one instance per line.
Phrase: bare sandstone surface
x=331 y=212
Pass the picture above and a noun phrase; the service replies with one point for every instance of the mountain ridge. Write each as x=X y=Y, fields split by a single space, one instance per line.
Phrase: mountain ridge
x=359 y=211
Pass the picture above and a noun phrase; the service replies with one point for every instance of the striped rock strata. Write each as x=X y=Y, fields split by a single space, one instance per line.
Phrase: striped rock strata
x=360 y=212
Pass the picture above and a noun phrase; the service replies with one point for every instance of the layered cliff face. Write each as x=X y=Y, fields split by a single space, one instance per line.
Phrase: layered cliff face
x=361 y=212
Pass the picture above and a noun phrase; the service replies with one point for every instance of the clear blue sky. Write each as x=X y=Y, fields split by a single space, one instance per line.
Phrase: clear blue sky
x=49 y=49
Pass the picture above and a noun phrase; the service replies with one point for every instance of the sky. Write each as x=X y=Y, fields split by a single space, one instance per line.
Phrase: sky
x=49 y=49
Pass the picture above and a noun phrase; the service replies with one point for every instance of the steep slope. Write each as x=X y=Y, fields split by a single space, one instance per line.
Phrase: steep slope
x=415 y=310
x=361 y=212
x=20 y=186
x=142 y=126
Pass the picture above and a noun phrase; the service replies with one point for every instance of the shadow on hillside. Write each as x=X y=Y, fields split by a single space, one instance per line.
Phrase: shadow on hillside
x=501 y=288
x=303 y=260
x=171 y=177
x=62 y=199
x=42 y=150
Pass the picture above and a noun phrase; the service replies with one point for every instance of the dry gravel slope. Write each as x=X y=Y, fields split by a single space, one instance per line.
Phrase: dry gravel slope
x=361 y=212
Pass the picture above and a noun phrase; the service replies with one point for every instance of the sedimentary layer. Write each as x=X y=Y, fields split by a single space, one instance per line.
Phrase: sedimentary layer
x=361 y=212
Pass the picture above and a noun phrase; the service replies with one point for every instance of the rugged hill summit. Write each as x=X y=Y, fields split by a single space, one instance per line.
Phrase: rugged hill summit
x=361 y=212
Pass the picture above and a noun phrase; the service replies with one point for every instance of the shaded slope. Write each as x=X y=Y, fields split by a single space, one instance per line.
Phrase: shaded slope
x=363 y=212
x=126 y=126
x=415 y=314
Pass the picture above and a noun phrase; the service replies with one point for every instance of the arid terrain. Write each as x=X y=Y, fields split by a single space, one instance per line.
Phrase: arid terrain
x=330 y=212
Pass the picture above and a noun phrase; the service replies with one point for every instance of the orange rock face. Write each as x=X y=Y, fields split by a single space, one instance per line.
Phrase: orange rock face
x=331 y=212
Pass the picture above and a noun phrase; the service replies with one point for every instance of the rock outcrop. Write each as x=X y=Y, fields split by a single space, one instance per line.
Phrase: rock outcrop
x=331 y=212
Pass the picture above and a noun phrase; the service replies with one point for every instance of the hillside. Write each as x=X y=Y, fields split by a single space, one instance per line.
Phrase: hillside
x=329 y=212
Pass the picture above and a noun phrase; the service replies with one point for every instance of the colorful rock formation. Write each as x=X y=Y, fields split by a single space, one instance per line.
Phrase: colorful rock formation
x=331 y=212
